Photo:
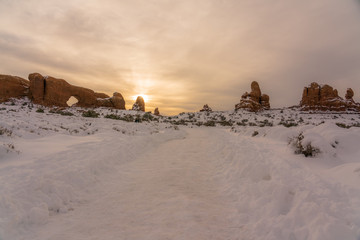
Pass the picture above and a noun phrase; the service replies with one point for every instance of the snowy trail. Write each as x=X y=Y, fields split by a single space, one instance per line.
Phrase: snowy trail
x=167 y=193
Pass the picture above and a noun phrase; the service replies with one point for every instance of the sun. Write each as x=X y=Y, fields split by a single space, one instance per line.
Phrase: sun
x=144 y=96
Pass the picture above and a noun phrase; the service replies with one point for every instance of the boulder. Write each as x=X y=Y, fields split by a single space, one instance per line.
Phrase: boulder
x=13 y=87
x=254 y=101
x=139 y=105
x=325 y=98
x=206 y=108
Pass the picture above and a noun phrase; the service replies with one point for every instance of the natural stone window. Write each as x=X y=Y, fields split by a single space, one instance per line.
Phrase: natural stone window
x=72 y=100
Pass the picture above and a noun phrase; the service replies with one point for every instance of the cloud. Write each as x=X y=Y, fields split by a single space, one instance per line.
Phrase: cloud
x=185 y=53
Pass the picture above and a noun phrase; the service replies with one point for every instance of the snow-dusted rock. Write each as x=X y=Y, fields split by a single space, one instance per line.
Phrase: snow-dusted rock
x=254 y=101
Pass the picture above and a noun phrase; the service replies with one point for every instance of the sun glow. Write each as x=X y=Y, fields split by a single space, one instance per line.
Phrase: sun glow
x=144 y=96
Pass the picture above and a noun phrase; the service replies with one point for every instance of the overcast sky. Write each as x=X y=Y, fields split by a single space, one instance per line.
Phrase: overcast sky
x=185 y=53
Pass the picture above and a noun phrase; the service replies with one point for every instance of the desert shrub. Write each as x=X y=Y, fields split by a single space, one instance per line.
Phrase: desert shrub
x=241 y=123
x=112 y=116
x=40 y=110
x=66 y=113
x=127 y=118
x=226 y=123
x=63 y=113
x=222 y=118
x=343 y=125
x=138 y=119
x=288 y=124
x=5 y=131
x=255 y=133
x=147 y=117
x=265 y=123
x=252 y=124
x=210 y=124
x=307 y=150
x=180 y=122
x=91 y=114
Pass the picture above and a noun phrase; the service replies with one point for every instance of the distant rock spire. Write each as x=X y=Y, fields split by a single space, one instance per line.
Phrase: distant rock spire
x=139 y=105
x=254 y=101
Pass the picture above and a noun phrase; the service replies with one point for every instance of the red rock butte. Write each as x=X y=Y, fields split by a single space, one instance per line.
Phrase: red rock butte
x=50 y=91
x=324 y=98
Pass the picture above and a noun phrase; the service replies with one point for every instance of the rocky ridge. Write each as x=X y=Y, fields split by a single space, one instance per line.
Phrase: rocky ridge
x=50 y=91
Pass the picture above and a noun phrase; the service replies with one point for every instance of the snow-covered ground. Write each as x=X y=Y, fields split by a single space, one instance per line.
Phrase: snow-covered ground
x=220 y=175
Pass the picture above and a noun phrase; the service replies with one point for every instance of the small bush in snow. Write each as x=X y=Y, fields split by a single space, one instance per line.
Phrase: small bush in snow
x=147 y=117
x=241 y=123
x=113 y=116
x=342 y=125
x=40 y=110
x=180 y=122
x=255 y=133
x=226 y=123
x=5 y=131
x=307 y=150
x=265 y=123
x=128 y=118
x=63 y=113
x=209 y=124
x=90 y=113
x=138 y=119
x=288 y=124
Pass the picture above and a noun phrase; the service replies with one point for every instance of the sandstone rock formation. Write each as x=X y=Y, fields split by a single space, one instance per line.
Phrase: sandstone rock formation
x=254 y=101
x=206 y=108
x=49 y=91
x=325 y=98
x=156 y=112
x=349 y=94
x=13 y=87
x=139 y=105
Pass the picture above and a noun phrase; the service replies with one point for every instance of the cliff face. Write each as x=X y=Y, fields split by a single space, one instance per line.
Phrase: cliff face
x=325 y=98
x=50 y=91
